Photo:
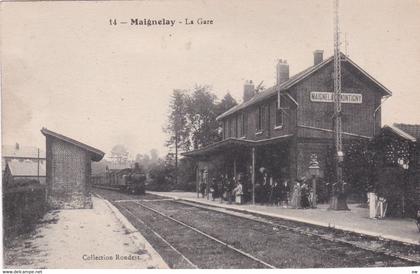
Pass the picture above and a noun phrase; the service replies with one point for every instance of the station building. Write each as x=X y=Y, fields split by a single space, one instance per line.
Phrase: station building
x=68 y=171
x=280 y=127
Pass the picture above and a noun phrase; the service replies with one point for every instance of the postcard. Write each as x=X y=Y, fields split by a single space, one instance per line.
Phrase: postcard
x=210 y=135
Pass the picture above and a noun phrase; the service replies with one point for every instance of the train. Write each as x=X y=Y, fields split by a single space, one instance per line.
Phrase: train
x=128 y=180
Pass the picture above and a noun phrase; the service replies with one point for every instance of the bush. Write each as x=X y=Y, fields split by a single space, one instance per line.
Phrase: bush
x=160 y=177
x=23 y=206
x=185 y=186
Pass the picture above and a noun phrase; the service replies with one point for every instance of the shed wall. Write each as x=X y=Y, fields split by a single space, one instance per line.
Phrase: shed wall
x=68 y=175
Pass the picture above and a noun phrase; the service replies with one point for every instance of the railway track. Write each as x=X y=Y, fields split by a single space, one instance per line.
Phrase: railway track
x=310 y=233
x=209 y=236
x=195 y=236
x=160 y=237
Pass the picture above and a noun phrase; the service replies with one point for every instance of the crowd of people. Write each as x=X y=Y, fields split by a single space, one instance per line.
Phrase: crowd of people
x=268 y=191
x=226 y=189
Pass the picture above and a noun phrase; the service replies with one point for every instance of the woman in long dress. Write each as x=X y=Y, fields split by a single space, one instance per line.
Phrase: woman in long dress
x=296 y=196
x=305 y=196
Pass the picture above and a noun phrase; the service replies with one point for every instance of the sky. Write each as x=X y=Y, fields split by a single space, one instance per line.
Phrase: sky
x=65 y=67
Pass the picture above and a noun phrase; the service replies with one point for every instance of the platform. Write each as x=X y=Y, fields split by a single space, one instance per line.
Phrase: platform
x=83 y=238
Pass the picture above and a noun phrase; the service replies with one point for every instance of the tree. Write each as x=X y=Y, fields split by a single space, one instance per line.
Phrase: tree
x=119 y=154
x=177 y=124
x=226 y=103
x=192 y=119
x=139 y=158
x=154 y=156
x=161 y=176
x=201 y=116
x=357 y=168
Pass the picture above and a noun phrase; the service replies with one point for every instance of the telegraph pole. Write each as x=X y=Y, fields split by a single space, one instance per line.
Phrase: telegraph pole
x=338 y=200
x=38 y=167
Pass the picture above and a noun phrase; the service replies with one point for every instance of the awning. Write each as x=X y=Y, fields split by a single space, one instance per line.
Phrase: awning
x=232 y=144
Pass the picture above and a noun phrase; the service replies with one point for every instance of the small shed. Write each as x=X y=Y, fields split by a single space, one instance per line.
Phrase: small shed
x=68 y=171
x=24 y=170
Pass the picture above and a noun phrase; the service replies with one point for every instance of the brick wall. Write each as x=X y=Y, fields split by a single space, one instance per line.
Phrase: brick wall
x=68 y=175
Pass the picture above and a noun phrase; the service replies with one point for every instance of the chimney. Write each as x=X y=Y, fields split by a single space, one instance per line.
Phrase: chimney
x=282 y=71
x=249 y=90
x=318 y=56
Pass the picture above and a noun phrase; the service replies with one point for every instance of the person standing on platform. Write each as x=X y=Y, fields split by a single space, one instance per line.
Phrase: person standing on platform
x=271 y=199
x=296 y=195
x=285 y=193
x=203 y=189
x=223 y=188
x=259 y=187
x=305 y=196
x=258 y=192
x=238 y=193
x=213 y=189
x=266 y=189
x=276 y=193
x=230 y=187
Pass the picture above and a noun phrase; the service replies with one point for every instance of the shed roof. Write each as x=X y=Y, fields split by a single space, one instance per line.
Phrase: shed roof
x=402 y=133
x=296 y=79
x=413 y=130
x=97 y=154
x=27 y=168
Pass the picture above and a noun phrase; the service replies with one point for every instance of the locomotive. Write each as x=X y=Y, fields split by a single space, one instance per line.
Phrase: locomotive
x=128 y=180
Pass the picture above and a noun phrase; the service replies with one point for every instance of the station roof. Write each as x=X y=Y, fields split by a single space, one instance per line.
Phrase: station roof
x=296 y=79
x=233 y=143
x=97 y=154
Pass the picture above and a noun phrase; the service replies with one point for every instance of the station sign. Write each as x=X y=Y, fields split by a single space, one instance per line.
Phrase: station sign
x=328 y=97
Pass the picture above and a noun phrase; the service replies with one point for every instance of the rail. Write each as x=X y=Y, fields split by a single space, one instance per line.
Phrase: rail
x=207 y=236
